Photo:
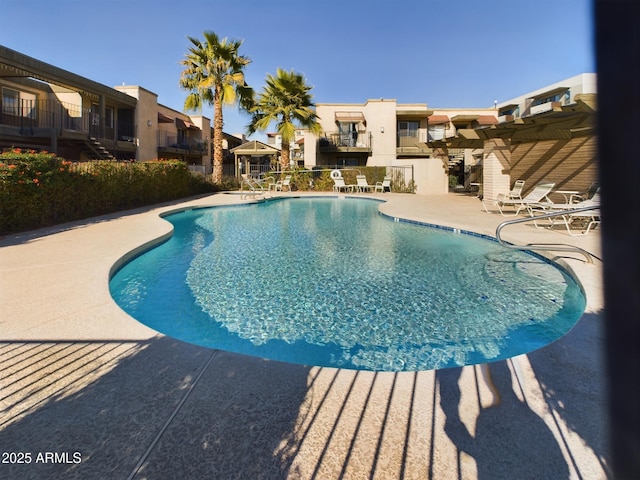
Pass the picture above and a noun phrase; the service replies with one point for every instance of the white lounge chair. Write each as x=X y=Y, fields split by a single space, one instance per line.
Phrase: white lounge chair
x=362 y=185
x=280 y=185
x=516 y=191
x=583 y=220
x=538 y=195
x=339 y=185
x=383 y=186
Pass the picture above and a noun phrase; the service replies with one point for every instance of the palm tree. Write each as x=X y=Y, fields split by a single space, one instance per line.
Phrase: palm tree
x=214 y=75
x=285 y=100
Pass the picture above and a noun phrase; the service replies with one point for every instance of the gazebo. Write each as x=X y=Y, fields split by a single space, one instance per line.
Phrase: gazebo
x=253 y=150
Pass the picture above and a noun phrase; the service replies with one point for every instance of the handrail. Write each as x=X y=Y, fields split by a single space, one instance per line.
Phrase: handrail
x=562 y=247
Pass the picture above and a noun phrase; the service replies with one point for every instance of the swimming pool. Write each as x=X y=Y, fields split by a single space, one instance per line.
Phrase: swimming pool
x=331 y=282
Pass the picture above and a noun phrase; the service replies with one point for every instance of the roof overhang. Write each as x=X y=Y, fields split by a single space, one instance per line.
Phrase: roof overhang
x=464 y=118
x=550 y=93
x=15 y=64
x=254 y=148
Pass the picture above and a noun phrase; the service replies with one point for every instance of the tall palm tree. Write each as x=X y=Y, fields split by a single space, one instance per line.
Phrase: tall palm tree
x=285 y=100
x=214 y=75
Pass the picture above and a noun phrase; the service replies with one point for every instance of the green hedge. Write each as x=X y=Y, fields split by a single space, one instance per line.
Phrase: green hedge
x=38 y=189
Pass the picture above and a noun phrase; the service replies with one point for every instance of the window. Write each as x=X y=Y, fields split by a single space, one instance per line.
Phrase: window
x=408 y=129
x=348 y=133
x=10 y=102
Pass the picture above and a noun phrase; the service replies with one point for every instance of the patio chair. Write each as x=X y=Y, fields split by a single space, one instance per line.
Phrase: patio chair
x=516 y=191
x=339 y=185
x=538 y=195
x=280 y=185
x=594 y=189
x=362 y=185
x=384 y=186
x=585 y=221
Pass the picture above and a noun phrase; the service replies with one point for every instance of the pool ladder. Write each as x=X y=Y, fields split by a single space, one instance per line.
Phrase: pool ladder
x=561 y=247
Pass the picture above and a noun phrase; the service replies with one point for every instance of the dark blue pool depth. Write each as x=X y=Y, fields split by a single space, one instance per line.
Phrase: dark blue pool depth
x=330 y=282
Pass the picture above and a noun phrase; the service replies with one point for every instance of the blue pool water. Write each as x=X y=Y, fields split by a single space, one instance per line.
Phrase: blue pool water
x=331 y=282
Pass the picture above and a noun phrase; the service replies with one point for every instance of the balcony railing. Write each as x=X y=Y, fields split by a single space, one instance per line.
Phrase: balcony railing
x=63 y=117
x=412 y=138
x=349 y=141
x=169 y=140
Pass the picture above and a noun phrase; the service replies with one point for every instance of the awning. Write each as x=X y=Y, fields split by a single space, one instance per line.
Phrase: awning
x=438 y=119
x=349 y=117
x=487 y=120
x=162 y=118
x=185 y=125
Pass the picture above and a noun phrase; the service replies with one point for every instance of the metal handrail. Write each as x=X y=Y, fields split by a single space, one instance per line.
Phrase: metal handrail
x=562 y=247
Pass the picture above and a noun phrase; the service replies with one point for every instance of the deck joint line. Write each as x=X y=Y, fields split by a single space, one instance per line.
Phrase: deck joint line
x=175 y=412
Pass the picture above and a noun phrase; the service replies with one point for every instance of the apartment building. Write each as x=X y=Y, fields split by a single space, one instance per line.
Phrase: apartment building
x=43 y=107
x=544 y=135
x=383 y=132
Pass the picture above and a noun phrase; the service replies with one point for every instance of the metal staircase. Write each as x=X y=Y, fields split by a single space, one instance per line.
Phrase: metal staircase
x=93 y=149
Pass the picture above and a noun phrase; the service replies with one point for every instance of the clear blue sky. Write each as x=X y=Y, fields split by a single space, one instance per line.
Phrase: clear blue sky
x=464 y=53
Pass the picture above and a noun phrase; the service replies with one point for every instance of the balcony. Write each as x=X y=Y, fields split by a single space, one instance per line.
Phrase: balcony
x=345 y=142
x=544 y=107
x=170 y=143
x=412 y=142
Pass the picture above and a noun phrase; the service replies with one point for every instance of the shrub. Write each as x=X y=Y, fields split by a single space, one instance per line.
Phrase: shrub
x=39 y=189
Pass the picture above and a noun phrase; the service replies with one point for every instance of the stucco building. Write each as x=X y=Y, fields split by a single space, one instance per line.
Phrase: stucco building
x=43 y=107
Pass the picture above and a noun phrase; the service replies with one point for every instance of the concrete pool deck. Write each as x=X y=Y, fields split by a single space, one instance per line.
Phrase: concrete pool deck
x=90 y=393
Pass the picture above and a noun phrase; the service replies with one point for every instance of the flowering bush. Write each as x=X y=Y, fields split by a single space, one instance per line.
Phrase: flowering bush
x=39 y=189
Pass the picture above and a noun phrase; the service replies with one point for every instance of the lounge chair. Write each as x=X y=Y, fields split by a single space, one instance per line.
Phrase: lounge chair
x=516 y=191
x=593 y=190
x=362 y=185
x=339 y=185
x=538 y=195
x=384 y=186
x=583 y=220
x=280 y=185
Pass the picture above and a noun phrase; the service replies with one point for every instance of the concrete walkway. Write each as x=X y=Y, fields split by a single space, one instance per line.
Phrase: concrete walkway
x=87 y=392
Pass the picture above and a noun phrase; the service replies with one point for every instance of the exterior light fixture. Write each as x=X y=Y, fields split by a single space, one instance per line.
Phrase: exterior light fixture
x=381 y=129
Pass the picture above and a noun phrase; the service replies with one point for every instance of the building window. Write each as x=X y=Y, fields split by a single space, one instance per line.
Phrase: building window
x=408 y=129
x=10 y=102
x=348 y=133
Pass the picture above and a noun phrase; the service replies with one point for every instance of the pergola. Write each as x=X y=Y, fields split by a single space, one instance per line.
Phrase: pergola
x=251 y=150
x=561 y=122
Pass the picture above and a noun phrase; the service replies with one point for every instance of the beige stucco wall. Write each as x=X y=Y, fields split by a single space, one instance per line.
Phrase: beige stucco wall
x=428 y=173
x=146 y=119
x=380 y=120
x=496 y=163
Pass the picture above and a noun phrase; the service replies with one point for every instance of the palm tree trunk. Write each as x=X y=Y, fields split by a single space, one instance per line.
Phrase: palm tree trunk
x=285 y=156
x=217 y=138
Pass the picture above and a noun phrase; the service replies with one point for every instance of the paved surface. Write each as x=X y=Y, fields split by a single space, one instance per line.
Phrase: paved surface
x=90 y=393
